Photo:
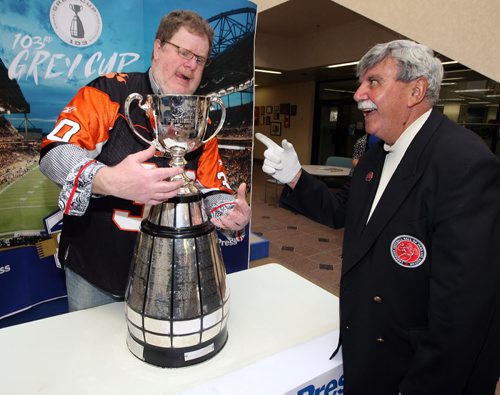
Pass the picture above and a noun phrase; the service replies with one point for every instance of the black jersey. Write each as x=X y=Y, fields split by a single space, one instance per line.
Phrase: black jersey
x=99 y=245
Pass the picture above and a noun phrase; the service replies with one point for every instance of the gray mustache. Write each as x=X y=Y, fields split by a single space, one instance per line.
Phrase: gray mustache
x=367 y=105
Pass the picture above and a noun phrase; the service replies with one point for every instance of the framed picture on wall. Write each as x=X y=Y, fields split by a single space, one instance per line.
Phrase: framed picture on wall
x=268 y=120
x=276 y=116
x=286 y=121
x=275 y=129
x=293 y=109
x=276 y=109
x=285 y=108
x=269 y=109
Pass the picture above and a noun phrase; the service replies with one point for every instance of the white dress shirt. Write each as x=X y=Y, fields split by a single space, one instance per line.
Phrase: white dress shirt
x=394 y=155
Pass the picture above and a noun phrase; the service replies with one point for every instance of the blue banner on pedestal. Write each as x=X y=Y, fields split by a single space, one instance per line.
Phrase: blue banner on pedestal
x=26 y=280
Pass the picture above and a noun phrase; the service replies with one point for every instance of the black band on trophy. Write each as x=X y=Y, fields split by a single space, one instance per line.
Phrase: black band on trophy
x=176 y=233
x=178 y=357
x=184 y=199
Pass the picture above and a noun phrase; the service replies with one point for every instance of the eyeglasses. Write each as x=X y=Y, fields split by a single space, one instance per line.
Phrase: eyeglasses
x=188 y=55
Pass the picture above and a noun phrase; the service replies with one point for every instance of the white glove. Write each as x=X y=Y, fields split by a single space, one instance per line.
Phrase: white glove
x=280 y=162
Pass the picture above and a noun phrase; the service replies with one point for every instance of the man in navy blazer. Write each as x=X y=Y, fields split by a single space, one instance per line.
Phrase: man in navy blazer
x=419 y=292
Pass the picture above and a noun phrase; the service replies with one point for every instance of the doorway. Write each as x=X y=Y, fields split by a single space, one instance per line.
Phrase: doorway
x=337 y=126
x=337 y=121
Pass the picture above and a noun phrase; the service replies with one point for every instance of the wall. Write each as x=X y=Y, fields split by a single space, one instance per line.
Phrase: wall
x=493 y=114
x=263 y=5
x=452 y=111
x=301 y=125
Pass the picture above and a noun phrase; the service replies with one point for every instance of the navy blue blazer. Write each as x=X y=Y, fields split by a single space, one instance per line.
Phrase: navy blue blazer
x=419 y=292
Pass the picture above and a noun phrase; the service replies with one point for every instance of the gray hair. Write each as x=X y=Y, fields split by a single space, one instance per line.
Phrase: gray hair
x=414 y=60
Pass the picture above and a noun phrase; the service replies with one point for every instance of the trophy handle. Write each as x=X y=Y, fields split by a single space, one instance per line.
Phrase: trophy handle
x=219 y=101
x=146 y=107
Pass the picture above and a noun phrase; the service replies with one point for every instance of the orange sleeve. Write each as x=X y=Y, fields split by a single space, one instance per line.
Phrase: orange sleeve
x=211 y=172
x=85 y=121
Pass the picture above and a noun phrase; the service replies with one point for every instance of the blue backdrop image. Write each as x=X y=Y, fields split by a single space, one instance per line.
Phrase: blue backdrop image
x=48 y=50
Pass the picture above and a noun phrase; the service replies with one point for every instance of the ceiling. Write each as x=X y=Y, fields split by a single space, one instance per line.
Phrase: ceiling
x=296 y=19
x=299 y=17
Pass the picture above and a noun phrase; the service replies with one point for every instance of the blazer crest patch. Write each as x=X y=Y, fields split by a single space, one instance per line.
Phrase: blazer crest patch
x=408 y=251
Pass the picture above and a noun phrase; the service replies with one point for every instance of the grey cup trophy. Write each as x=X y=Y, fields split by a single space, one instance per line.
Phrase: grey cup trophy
x=177 y=298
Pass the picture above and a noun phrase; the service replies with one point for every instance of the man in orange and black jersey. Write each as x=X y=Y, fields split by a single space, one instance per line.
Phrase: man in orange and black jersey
x=109 y=179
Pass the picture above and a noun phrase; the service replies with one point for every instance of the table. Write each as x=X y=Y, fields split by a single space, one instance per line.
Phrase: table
x=272 y=310
x=276 y=187
x=327 y=171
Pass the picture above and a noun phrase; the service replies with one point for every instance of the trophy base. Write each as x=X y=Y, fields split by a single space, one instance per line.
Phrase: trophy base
x=176 y=357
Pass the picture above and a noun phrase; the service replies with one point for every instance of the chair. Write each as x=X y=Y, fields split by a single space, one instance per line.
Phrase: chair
x=276 y=186
x=340 y=161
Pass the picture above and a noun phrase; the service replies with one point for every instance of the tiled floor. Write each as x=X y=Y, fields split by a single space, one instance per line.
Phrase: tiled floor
x=299 y=244
x=304 y=246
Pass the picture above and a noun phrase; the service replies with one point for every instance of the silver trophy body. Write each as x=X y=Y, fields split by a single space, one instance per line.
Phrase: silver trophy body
x=177 y=298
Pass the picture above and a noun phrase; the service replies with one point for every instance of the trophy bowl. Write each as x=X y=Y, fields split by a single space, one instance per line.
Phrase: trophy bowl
x=179 y=123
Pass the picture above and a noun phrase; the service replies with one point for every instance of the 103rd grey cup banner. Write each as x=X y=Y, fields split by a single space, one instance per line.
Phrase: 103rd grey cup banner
x=48 y=50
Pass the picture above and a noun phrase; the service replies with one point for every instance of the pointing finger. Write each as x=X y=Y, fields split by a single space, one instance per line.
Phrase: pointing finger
x=266 y=141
